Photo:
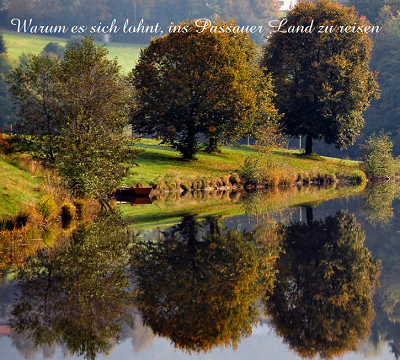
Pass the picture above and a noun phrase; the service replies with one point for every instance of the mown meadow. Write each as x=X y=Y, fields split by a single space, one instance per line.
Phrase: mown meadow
x=20 y=43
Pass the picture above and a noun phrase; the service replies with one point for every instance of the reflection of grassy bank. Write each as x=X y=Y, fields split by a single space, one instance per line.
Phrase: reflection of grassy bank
x=163 y=168
x=168 y=209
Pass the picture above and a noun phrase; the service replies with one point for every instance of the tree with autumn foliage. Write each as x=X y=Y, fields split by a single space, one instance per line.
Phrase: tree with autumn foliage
x=322 y=80
x=191 y=84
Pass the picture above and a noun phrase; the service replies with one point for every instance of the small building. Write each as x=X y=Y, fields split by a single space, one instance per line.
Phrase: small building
x=287 y=4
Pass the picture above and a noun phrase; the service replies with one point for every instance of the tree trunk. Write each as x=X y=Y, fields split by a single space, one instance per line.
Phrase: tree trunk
x=214 y=224
x=309 y=215
x=308 y=145
x=213 y=145
x=188 y=145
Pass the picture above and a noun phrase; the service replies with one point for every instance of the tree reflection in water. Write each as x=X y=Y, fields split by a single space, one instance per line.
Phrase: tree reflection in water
x=321 y=303
x=198 y=286
x=378 y=202
x=78 y=293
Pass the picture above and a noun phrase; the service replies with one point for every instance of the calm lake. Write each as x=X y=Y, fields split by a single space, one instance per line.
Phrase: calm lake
x=284 y=275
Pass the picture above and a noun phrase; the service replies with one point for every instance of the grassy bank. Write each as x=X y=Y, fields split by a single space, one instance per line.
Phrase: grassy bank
x=19 y=43
x=20 y=184
x=35 y=210
x=162 y=167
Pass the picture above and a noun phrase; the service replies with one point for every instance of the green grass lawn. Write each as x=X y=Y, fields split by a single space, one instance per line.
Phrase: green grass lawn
x=17 y=187
x=159 y=163
x=19 y=43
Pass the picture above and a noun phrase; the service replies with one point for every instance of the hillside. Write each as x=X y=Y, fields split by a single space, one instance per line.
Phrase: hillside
x=19 y=43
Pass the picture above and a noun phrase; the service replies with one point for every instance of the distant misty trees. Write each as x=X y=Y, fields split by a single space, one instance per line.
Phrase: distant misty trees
x=92 y=12
x=6 y=111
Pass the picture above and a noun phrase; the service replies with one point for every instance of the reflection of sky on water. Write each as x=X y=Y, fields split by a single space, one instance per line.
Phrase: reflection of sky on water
x=263 y=344
x=266 y=347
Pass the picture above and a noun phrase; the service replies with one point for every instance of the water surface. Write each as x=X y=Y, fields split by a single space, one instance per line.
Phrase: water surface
x=295 y=282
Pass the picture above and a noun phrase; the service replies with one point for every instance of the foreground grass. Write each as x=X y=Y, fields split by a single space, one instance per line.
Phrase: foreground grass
x=19 y=185
x=19 y=43
x=161 y=165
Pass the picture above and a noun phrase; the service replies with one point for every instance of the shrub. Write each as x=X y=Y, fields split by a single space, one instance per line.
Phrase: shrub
x=4 y=144
x=15 y=222
x=54 y=48
x=252 y=171
x=377 y=158
x=80 y=209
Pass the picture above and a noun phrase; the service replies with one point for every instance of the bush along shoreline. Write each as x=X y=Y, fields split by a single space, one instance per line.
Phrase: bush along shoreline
x=235 y=182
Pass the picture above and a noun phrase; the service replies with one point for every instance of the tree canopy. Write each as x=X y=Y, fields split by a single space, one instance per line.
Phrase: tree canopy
x=6 y=111
x=192 y=83
x=2 y=44
x=72 y=114
x=322 y=78
x=386 y=54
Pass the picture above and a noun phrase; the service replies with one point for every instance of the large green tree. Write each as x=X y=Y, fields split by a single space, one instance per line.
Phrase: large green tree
x=194 y=83
x=323 y=80
x=72 y=114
